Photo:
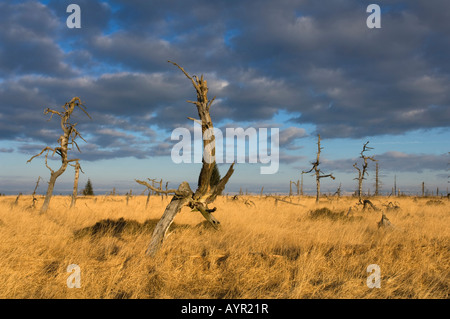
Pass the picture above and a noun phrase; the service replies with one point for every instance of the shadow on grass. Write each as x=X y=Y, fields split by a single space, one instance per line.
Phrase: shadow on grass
x=121 y=226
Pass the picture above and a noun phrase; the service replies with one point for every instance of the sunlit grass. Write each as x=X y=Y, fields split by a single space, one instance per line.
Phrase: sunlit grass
x=261 y=251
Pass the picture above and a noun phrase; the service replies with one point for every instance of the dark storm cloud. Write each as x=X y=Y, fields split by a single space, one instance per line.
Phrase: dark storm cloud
x=317 y=59
x=27 y=41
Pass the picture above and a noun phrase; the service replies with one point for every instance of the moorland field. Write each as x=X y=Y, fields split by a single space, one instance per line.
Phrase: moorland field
x=263 y=249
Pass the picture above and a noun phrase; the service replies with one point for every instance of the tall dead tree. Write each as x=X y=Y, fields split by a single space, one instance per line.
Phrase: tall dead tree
x=315 y=168
x=77 y=167
x=205 y=193
x=363 y=172
x=66 y=142
x=377 y=180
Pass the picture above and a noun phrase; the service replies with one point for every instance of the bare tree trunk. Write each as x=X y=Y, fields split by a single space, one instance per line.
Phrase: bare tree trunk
x=148 y=198
x=51 y=186
x=395 y=185
x=75 y=185
x=360 y=188
x=180 y=198
x=377 y=181
x=33 y=205
x=317 y=188
x=301 y=187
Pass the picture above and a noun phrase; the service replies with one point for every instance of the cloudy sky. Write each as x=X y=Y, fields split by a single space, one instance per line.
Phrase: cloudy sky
x=306 y=67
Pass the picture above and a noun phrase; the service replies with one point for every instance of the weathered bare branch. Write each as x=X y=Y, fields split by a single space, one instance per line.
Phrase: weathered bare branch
x=43 y=150
x=195 y=120
x=157 y=190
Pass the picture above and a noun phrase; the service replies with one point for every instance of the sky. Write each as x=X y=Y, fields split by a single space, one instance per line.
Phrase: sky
x=305 y=67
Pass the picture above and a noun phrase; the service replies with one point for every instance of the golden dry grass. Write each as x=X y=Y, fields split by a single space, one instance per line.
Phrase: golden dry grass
x=261 y=251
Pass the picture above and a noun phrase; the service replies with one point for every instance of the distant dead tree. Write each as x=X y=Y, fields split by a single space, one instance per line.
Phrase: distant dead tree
x=205 y=193
x=297 y=185
x=78 y=168
x=16 y=202
x=315 y=168
x=338 y=191
x=66 y=142
x=377 y=180
x=363 y=172
x=395 y=185
x=301 y=186
x=33 y=204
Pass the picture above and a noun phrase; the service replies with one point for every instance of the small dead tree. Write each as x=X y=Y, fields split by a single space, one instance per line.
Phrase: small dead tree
x=66 y=142
x=33 y=204
x=363 y=172
x=78 y=168
x=297 y=185
x=301 y=186
x=338 y=191
x=205 y=193
x=317 y=171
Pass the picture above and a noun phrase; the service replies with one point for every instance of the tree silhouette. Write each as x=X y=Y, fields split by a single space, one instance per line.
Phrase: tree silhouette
x=88 y=189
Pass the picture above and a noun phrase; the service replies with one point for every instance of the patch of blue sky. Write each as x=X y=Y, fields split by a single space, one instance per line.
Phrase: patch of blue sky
x=394 y=7
x=229 y=35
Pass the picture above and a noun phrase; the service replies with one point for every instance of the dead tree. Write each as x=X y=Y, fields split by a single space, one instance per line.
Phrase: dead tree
x=315 y=168
x=338 y=191
x=205 y=193
x=33 y=204
x=77 y=167
x=16 y=202
x=363 y=172
x=129 y=195
x=66 y=142
x=297 y=185
x=377 y=180
x=301 y=186
x=395 y=185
